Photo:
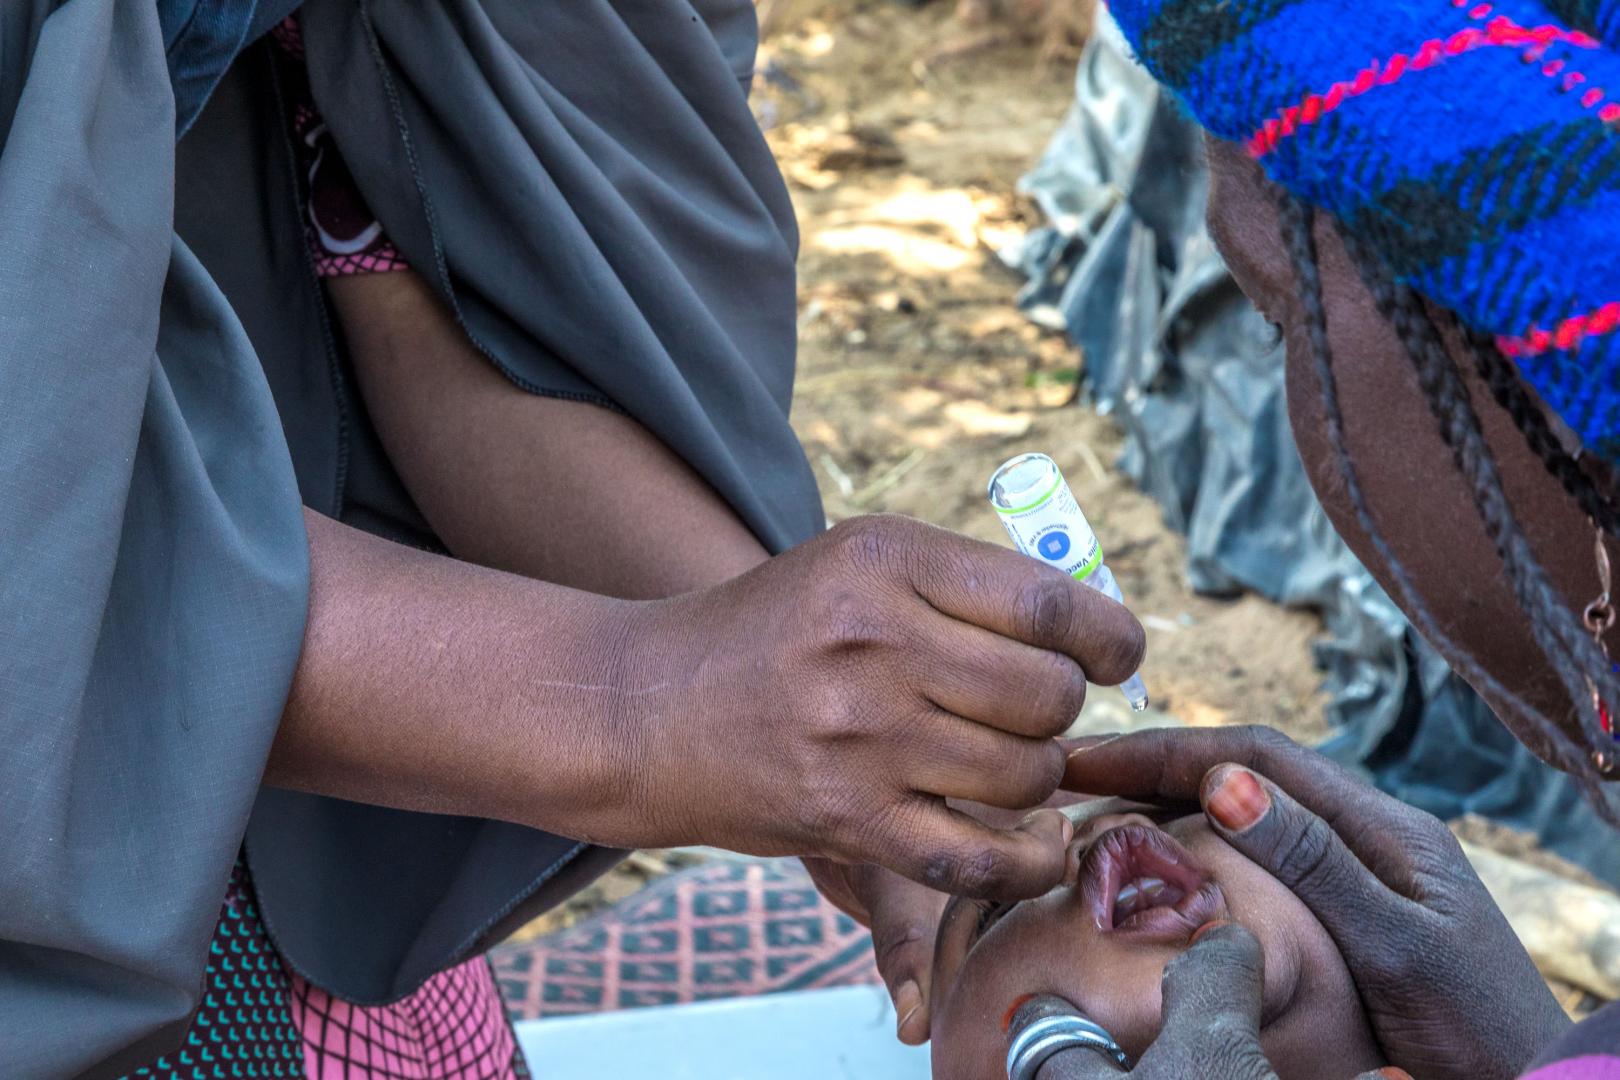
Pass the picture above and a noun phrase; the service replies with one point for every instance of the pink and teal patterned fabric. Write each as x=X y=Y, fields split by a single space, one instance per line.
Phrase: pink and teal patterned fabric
x=258 y=1020
x=343 y=235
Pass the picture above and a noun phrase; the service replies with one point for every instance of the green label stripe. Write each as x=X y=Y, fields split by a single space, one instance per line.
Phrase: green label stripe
x=1091 y=565
x=1025 y=509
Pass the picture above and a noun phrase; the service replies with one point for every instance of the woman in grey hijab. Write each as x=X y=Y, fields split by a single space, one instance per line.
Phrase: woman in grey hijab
x=387 y=610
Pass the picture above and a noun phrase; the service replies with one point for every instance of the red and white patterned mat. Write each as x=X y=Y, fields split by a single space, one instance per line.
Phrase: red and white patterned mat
x=719 y=930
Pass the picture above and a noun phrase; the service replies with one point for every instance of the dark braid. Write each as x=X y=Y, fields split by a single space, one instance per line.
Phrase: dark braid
x=1551 y=742
x=1558 y=629
x=1503 y=379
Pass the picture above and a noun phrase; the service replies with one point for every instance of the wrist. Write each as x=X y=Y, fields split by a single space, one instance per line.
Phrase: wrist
x=629 y=763
x=582 y=734
x=635 y=731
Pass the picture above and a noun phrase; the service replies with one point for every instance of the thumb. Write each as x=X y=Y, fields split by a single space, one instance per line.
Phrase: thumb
x=1300 y=849
x=1212 y=1000
x=904 y=920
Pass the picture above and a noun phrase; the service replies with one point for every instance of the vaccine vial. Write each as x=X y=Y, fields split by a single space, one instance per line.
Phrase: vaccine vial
x=1038 y=511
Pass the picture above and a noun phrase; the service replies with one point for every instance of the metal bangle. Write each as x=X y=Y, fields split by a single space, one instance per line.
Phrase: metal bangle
x=1050 y=1034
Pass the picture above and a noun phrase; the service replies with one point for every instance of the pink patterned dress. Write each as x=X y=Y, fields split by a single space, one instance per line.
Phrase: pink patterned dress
x=260 y=1020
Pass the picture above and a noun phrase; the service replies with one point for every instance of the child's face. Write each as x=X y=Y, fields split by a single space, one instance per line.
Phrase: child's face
x=1133 y=895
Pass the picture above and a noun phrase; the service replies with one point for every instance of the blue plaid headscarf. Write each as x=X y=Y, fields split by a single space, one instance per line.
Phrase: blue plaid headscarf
x=1474 y=145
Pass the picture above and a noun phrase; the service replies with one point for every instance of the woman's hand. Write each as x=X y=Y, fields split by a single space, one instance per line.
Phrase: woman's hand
x=829 y=701
x=1448 y=988
x=1212 y=1002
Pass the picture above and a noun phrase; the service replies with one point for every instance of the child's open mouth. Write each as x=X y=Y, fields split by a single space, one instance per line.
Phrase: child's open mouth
x=1139 y=881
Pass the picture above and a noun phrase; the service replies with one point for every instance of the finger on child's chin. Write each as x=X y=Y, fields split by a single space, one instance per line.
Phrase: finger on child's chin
x=1212 y=992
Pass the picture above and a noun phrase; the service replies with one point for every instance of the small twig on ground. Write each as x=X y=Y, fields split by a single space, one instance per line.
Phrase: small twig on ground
x=1092 y=462
x=889 y=479
x=648 y=863
x=846 y=486
x=1160 y=623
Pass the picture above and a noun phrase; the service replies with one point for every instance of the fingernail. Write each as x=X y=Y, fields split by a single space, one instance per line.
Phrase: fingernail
x=1065 y=826
x=1012 y=1010
x=907 y=1000
x=1206 y=928
x=1392 y=1073
x=1238 y=800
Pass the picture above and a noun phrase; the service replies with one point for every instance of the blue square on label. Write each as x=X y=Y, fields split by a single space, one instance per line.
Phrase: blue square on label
x=1054 y=545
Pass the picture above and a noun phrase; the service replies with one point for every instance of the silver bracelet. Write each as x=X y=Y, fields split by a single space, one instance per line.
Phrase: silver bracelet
x=1050 y=1034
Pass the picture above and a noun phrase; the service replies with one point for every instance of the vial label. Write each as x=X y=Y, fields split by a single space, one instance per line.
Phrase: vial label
x=1053 y=530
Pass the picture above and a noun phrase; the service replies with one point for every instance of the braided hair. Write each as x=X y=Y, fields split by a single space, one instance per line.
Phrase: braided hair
x=1571 y=742
x=1503 y=379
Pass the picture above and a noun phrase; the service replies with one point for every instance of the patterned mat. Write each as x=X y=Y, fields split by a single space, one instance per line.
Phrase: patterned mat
x=723 y=929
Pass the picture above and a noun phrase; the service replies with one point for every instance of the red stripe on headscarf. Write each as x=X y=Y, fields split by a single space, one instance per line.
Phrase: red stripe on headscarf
x=1500 y=33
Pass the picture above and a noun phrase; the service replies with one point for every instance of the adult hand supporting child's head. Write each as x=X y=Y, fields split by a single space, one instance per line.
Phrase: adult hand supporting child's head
x=1212 y=1019
x=1448 y=988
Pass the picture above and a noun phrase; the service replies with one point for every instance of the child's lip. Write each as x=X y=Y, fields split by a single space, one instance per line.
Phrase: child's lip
x=1128 y=852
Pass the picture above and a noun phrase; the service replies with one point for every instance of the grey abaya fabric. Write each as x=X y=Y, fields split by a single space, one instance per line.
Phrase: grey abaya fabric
x=585 y=187
x=585 y=184
x=155 y=562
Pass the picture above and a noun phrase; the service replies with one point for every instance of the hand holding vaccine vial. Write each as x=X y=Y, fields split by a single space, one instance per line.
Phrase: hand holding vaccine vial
x=1039 y=512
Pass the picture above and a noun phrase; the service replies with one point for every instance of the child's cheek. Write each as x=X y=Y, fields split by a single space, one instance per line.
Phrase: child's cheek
x=1114 y=985
x=1123 y=996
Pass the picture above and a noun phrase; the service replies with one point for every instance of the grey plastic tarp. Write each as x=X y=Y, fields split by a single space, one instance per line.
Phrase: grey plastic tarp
x=1194 y=374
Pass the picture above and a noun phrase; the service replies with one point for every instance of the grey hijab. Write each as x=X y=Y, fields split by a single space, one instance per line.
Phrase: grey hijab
x=583 y=184
x=153 y=588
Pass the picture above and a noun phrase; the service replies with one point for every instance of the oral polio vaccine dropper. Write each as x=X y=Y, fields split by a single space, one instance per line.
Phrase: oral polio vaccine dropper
x=1039 y=512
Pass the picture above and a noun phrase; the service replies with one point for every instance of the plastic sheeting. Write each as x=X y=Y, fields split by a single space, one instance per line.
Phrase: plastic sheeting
x=1194 y=374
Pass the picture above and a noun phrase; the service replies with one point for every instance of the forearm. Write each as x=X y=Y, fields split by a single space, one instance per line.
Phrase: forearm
x=431 y=684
